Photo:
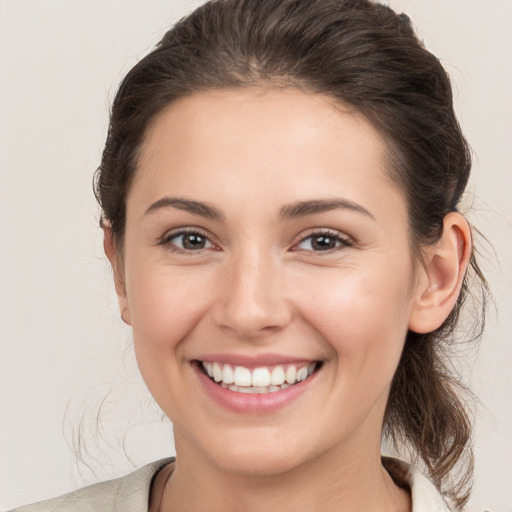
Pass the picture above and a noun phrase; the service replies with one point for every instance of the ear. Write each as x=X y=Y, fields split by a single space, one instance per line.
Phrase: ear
x=116 y=261
x=441 y=275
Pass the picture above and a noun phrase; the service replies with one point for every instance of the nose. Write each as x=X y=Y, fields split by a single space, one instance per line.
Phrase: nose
x=251 y=301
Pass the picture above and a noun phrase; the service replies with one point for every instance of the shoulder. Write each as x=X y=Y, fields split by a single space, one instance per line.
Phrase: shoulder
x=127 y=494
x=425 y=496
x=131 y=493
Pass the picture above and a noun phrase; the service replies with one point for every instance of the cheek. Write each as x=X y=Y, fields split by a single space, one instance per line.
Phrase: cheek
x=362 y=313
x=165 y=307
x=165 y=304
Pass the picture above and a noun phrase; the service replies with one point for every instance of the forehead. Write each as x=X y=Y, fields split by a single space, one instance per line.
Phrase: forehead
x=260 y=140
x=281 y=119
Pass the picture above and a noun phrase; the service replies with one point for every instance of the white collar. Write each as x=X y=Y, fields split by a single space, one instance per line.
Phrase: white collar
x=425 y=496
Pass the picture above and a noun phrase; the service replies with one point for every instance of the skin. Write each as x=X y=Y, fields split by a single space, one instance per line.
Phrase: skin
x=259 y=286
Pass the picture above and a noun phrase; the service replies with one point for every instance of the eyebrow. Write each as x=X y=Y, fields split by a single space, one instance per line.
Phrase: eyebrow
x=194 y=207
x=291 y=211
x=304 y=208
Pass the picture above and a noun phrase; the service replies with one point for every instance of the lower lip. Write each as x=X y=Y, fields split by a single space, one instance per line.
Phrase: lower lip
x=248 y=403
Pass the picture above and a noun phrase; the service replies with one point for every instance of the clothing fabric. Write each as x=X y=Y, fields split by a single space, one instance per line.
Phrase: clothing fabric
x=127 y=494
x=131 y=493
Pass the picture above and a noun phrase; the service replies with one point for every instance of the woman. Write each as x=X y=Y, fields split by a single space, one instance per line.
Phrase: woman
x=279 y=190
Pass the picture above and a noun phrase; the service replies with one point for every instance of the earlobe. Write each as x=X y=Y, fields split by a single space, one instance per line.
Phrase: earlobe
x=112 y=253
x=442 y=273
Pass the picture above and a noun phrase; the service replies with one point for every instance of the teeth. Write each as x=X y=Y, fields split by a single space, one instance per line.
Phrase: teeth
x=242 y=376
x=260 y=377
x=277 y=377
x=291 y=374
x=217 y=372
x=302 y=374
x=253 y=389
x=259 y=380
x=227 y=374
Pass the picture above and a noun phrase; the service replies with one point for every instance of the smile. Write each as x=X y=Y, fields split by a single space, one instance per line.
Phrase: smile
x=259 y=380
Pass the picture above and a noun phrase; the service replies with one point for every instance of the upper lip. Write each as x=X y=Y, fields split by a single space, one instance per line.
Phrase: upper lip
x=255 y=361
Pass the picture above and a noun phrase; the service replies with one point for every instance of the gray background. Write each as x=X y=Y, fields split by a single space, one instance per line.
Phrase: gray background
x=63 y=348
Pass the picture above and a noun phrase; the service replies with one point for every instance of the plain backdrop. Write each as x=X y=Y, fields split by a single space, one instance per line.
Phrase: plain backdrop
x=64 y=352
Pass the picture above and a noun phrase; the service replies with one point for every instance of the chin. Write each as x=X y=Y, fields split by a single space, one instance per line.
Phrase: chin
x=257 y=463
x=257 y=454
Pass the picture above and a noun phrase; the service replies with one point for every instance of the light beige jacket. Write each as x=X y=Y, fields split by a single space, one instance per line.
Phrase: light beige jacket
x=131 y=493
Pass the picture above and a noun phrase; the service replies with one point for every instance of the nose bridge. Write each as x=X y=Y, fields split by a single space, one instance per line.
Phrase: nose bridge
x=252 y=300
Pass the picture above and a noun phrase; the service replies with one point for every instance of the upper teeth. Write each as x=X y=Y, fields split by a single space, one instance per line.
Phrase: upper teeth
x=257 y=377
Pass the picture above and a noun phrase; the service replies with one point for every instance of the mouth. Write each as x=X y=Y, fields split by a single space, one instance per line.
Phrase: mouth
x=261 y=380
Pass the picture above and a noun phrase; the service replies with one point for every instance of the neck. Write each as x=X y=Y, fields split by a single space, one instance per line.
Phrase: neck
x=357 y=482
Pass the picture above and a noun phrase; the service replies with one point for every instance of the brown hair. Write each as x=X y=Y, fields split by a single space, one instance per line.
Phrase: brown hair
x=367 y=57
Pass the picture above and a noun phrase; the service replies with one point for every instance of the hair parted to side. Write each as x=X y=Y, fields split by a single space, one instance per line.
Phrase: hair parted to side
x=366 y=57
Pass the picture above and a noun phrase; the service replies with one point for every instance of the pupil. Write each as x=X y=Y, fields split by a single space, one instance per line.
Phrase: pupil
x=323 y=242
x=193 y=241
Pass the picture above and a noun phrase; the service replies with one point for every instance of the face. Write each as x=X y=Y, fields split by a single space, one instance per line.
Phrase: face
x=268 y=277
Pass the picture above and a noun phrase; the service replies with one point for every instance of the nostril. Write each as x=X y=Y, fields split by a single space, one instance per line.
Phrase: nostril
x=251 y=321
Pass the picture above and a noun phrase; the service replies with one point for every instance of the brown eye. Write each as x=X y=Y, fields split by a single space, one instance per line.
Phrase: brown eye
x=189 y=241
x=193 y=241
x=323 y=242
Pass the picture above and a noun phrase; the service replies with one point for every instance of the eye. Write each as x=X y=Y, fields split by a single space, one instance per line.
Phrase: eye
x=185 y=241
x=323 y=241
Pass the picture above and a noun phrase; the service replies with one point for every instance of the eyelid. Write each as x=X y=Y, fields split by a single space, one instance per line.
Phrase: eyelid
x=346 y=241
x=174 y=233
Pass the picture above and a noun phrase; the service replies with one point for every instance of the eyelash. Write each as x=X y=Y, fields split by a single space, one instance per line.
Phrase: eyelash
x=340 y=241
x=168 y=240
